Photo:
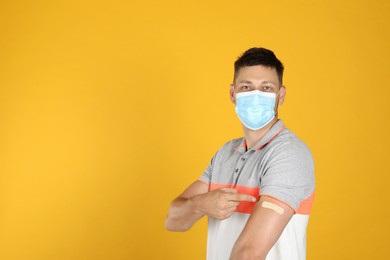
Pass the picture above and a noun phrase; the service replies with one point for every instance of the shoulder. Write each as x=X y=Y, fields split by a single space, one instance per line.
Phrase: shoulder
x=288 y=144
x=288 y=157
x=230 y=148
x=232 y=145
x=289 y=171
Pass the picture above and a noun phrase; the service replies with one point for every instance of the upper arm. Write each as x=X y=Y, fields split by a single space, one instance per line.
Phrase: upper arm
x=287 y=181
x=263 y=228
x=289 y=175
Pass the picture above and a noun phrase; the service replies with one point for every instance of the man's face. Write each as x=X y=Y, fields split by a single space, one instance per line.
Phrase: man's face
x=258 y=78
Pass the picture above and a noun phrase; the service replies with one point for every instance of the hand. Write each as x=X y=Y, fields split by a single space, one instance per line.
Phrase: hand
x=221 y=203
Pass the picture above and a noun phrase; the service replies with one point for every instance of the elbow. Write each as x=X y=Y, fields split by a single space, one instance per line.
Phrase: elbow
x=175 y=226
x=249 y=257
x=248 y=253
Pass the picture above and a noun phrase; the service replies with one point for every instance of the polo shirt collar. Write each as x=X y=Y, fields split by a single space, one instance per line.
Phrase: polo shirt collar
x=276 y=129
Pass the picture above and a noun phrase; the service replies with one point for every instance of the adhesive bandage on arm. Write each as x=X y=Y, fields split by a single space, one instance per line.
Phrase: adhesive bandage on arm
x=274 y=207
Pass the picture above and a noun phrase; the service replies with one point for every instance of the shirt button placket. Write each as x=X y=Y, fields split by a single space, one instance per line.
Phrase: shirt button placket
x=239 y=167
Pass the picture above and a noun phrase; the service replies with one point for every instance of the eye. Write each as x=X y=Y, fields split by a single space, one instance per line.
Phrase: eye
x=245 y=87
x=267 y=88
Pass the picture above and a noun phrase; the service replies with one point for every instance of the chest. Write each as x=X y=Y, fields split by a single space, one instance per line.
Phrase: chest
x=240 y=169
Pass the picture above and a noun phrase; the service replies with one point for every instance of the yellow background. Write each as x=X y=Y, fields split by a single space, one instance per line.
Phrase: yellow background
x=109 y=109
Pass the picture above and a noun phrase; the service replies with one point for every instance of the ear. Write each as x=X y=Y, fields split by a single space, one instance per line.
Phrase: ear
x=282 y=95
x=232 y=94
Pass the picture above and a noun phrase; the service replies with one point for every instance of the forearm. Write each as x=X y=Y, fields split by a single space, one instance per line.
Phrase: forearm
x=197 y=201
x=182 y=214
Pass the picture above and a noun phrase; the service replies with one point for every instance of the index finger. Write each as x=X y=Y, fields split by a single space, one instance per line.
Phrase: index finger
x=230 y=190
x=242 y=197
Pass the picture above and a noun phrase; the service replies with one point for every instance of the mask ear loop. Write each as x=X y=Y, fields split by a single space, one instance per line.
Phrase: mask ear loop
x=277 y=99
x=277 y=94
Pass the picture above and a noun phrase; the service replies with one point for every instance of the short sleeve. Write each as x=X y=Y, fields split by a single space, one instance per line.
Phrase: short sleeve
x=206 y=176
x=289 y=174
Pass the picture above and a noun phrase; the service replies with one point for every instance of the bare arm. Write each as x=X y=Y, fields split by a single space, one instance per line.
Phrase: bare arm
x=262 y=230
x=183 y=211
x=196 y=201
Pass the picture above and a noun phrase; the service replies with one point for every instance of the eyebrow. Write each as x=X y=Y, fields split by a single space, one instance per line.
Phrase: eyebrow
x=250 y=82
x=245 y=81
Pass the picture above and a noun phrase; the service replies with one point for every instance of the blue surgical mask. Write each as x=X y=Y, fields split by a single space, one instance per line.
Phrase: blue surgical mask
x=255 y=109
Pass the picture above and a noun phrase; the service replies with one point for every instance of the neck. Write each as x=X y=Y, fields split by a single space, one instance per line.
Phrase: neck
x=253 y=137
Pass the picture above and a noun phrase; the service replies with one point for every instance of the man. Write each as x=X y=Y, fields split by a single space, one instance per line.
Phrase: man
x=258 y=190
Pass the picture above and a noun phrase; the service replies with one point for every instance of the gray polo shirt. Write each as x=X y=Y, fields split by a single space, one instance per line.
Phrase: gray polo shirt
x=280 y=166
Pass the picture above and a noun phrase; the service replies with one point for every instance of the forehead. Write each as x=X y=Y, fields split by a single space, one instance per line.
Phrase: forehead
x=257 y=73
